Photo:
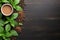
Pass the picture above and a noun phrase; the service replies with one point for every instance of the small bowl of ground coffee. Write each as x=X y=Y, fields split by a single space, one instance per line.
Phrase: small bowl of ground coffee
x=6 y=9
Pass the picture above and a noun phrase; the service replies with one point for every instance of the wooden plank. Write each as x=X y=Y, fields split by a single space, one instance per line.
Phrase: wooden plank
x=42 y=20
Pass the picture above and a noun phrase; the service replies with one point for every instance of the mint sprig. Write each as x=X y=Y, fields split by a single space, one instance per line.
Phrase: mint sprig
x=8 y=22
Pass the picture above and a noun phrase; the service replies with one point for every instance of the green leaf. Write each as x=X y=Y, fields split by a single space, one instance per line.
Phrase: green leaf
x=8 y=34
x=0 y=1
x=14 y=15
x=5 y=1
x=0 y=5
x=13 y=23
x=6 y=22
x=1 y=22
x=4 y=37
x=14 y=33
x=1 y=29
x=7 y=39
x=1 y=38
x=7 y=28
x=16 y=23
x=0 y=15
x=16 y=2
x=13 y=5
x=11 y=2
x=8 y=18
x=1 y=34
x=18 y=8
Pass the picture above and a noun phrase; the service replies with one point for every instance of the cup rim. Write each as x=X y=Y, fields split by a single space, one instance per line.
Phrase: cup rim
x=10 y=12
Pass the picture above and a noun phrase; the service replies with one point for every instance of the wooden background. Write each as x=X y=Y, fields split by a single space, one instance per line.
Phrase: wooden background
x=42 y=20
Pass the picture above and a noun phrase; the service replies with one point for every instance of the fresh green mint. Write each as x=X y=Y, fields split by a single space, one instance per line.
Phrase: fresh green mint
x=9 y=22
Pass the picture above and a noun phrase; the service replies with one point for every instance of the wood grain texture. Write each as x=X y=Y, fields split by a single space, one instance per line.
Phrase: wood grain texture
x=42 y=20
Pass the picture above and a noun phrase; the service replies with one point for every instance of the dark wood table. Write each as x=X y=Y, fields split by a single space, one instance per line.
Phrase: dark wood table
x=42 y=20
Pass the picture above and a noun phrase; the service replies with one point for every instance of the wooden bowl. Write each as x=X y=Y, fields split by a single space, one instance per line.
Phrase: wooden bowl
x=5 y=14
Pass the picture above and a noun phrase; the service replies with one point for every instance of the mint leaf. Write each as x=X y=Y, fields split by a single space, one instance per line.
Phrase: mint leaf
x=4 y=38
x=0 y=5
x=0 y=15
x=5 y=1
x=8 y=18
x=7 y=28
x=13 y=23
x=14 y=15
x=7 y=39
x=14 y=33
x=16 y=23
x=0 y=1
x=6 y=22
x=16 y=2
x=1 y=38
x=1 y=34
x=8 y=34
x=1 y=23
x=11 y=2
x=13 y=6
x=1 y=29
x=18 y=8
